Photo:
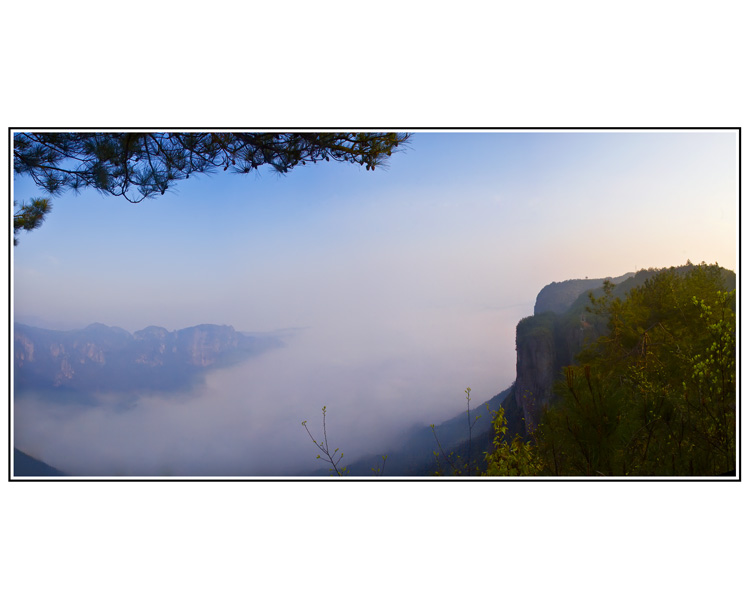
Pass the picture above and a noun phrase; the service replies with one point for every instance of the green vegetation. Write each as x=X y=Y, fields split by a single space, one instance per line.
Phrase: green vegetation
x=454 y=461
x=655 y=394
x=335 y=457
x=516 y=458
x=558 y=297
x=140 y=165
x=651 y=393
x=325 y=449
x=649 y=388
x=30 y=215
x=414 y=456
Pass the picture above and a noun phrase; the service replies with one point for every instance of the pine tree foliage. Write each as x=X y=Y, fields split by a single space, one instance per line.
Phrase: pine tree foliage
x=30 y=216
x=139 y=165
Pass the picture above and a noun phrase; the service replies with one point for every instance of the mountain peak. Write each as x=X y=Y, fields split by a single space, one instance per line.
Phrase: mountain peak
x=557 y=297
x=100 y=357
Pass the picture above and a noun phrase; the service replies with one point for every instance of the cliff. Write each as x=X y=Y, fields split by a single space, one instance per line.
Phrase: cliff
x=552 y=338
x=544 y=345
x=549 y=340
x=105 y=358
x=558 y=297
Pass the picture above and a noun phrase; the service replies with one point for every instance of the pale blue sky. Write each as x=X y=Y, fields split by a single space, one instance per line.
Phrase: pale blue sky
x=407 y=282
x=476 y=219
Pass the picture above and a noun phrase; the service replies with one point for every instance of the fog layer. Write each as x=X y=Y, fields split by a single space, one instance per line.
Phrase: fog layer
x=246 y=420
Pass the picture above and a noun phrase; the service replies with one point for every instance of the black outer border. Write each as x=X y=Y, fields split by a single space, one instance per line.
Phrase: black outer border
x=12 y=479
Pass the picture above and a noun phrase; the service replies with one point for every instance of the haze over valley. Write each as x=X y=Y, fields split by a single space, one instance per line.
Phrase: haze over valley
x=233 y=308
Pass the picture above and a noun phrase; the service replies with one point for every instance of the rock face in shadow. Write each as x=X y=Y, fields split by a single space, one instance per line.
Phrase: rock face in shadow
x=560 y=327
x=558 y=297
x=102 y=358
x=536 y=369
x=549 y=340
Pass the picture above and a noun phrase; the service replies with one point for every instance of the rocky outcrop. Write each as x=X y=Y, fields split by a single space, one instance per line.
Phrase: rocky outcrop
x=552 y=338
x=558 y=297
x=204 y=344
x=536 y=370
x=109 y=358
x=549 y=340
x=24 y=350
x=152 y=344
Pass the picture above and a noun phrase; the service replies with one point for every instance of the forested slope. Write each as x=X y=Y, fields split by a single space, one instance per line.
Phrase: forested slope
x=636 y=378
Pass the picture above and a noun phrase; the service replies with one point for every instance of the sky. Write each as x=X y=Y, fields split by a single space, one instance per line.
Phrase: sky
x=401 y=286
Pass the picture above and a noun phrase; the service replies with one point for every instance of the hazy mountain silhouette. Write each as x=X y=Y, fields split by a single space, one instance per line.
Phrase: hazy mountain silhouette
x=102 y=358
x=28 y=466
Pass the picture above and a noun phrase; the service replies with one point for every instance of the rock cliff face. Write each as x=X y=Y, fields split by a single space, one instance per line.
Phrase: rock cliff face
x=549 y=340
x=536 y=370
x=205 y=343
x=552 y=338
x=558 y=297
x=109 y=358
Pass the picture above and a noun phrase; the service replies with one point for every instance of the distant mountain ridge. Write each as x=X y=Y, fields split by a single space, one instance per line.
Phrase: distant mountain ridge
x=103 y=358
x=28 y=466
x=415 y=456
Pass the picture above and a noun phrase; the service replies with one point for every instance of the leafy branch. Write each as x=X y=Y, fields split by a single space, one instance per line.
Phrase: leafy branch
x=517 y=458
x=324 y=448
x=378 y=470
x=455 y=466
